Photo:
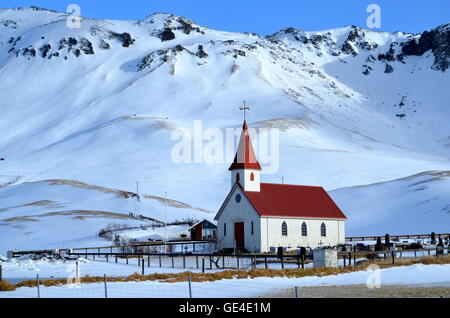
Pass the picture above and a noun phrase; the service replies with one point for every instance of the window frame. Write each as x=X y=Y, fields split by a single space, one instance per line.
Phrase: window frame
x=304 y=229
x=323 y=230
x=284 y=229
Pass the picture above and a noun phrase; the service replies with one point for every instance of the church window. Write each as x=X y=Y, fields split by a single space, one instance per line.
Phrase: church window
x=238 y=198
x=304 y=229
x=252 y=176
x=284 y=230
x=323 y=230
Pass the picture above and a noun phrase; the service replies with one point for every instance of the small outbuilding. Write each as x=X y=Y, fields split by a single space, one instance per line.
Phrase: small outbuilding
x=204 y=230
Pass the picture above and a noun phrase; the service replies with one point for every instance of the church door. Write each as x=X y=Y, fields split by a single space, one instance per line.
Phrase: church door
x=239 y=234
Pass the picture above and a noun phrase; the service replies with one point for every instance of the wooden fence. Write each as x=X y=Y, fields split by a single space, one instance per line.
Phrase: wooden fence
x=396 y=237
x=202 y=261
x=392 y=255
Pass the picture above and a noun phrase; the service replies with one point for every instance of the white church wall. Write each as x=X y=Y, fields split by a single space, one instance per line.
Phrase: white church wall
x=241 y=211
x=271 y=229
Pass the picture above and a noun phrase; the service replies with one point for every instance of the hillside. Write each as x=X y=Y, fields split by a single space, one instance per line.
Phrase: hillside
x=411 y=205
x=98 y=105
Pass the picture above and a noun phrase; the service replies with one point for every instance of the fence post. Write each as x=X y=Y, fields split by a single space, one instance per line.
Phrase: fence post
x=296 y=291
x=106 y=289
x=1 y=274
x=298 y=261
x=116 y=259
x=354 y=260
x=254 y=261
x=344 y=257
x=303 y=261
x=76 y=272
x=393 y=257
x=196 y=259
x=38 y=287
x=148 y=260
x=282 y=262
x=143 y=266
x=203 y=265
x=237 y=258
x=210 y=262
x=190 y=287
x=139 y=261
x=126 y=256
x=184 y=261
x=159 y=260
x=173 y=264
x=265 y=262
x=223 y=260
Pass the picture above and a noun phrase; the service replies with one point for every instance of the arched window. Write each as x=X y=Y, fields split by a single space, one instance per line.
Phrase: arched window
x=252 y=176
x=238 y=177
x=284 y=229
x=304 y=229
x=323 y=230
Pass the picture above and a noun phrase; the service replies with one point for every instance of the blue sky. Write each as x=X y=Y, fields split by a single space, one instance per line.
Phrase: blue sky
x=265 y=17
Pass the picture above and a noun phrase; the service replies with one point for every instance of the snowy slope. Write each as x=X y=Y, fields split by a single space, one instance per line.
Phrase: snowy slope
x=411 y=205
x=63 y=213
x=99 y=104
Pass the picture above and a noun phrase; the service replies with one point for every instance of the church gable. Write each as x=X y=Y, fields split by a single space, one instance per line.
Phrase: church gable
x=237 y=200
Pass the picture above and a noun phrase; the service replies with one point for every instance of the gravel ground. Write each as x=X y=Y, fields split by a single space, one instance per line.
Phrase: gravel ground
x=358 y=291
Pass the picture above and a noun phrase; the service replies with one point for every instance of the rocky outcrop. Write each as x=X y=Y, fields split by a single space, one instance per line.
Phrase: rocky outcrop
x=167 y=35
x=436 y=40
x=388 y=69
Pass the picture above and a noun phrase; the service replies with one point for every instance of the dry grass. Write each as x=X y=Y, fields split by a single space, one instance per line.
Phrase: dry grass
x=427 y=260
x=5 y=286
x=230 y=274
x=46 y=203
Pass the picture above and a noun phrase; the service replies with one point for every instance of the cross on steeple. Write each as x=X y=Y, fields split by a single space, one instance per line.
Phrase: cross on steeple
x=245 y=108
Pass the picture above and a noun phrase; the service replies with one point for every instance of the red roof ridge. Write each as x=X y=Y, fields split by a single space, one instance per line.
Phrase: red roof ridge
x=291 y=185
x=289 y=200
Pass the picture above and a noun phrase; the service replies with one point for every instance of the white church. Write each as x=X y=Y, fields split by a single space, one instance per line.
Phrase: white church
x=261 y=217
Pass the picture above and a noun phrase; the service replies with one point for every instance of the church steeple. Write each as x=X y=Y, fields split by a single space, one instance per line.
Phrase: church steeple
x=245 y=168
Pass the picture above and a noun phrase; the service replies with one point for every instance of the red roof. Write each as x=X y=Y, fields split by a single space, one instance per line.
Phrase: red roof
x=245 y=156
x=285 y=200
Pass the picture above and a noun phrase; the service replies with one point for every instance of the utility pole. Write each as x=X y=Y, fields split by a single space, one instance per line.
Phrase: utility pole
x=165 y=220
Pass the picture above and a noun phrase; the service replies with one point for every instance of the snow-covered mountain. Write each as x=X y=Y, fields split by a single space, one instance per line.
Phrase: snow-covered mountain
x=98 y=105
